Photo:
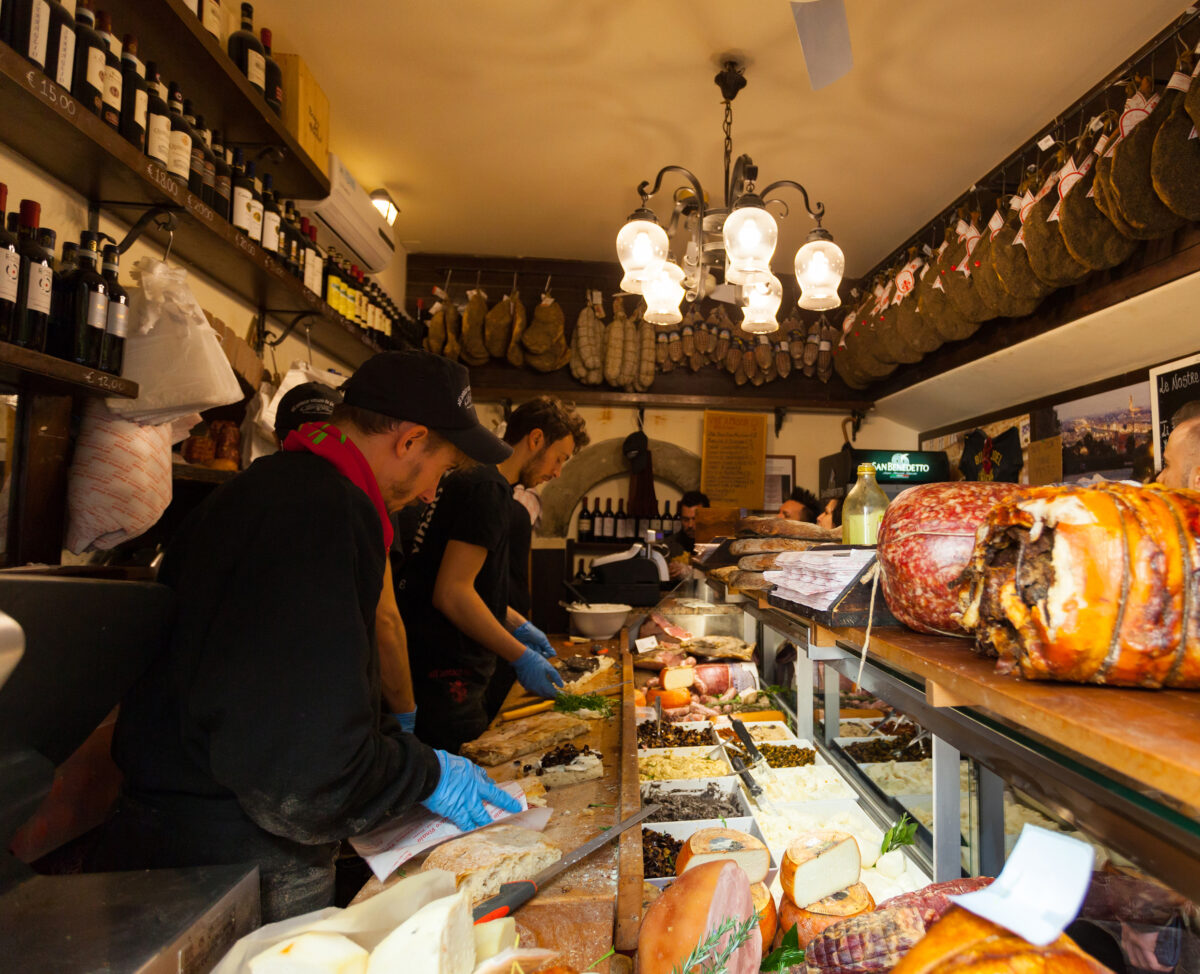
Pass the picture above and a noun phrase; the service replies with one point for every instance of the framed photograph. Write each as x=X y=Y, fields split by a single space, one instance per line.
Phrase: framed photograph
x=779 y=479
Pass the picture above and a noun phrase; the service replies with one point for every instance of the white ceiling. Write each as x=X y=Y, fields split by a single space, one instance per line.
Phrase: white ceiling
x=522 y=128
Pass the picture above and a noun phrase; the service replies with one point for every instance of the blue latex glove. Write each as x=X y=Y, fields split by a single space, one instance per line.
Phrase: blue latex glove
x=536 y=675
x=462 y=790
x=535 y=639
x=408 y=721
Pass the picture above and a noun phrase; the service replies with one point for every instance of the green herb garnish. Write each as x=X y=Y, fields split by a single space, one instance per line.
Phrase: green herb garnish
x=787 y=954
x=568 y=703
x=707 y=957
x=902 y=833
x=602 y=957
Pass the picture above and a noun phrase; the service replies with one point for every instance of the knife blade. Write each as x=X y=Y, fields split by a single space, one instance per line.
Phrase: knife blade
x=743 y=735
x=512 y=895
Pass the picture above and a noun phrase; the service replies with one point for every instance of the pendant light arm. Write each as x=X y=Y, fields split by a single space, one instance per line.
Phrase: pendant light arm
x=686 y=173
x=815 y=214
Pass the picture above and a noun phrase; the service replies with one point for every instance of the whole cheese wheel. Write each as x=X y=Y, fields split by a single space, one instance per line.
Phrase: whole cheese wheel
x=768 y=917
x=925 y=541
x=699 y=901
x=811 y=920
x=671 y=699
x=819 y=864
x=707 y=845
x=639 y=698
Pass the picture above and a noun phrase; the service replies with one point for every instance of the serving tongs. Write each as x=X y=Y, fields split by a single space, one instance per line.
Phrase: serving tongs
x=734 y=753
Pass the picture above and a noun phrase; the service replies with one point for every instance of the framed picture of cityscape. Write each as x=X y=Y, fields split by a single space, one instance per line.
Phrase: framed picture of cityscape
x=1107 y=436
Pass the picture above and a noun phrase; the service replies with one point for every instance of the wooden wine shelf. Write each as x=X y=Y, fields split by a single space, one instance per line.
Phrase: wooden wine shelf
x=20 y=366
x=55 y=132
x=195 y=473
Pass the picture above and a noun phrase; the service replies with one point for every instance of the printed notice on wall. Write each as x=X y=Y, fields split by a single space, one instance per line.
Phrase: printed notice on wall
x=1045 y=465
x=1171 y=386
x=734 y=457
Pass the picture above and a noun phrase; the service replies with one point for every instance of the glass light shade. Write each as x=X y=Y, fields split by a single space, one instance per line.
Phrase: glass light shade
x=663 y=294
x=750 y=235
x=630 y=286
x=819 y=267
x=642 y=248
x=760 y=302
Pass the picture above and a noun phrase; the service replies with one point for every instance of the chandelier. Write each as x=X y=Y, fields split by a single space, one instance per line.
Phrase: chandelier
x=738 y=238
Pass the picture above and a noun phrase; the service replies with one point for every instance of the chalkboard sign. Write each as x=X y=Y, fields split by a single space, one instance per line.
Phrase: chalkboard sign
x=1172 y=385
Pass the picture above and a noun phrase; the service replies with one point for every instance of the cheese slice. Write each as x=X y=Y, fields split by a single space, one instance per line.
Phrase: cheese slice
x=437 y=939
x=312 y=953
x=493 y=937
x=819 y=864
x=586 y=767
x=678 y=677
x=710 y=845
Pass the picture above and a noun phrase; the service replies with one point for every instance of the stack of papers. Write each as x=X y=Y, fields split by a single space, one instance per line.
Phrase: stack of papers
x=817 y=577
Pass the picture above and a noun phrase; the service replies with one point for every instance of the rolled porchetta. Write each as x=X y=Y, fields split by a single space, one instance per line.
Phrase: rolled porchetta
x=1089 y=585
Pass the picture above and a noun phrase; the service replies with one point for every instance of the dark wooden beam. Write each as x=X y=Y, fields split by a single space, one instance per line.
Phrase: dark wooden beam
x=38 y=507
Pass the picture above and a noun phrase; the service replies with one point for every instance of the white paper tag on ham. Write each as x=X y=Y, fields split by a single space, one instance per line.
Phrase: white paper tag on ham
x=1040 y=889
x=390 y=846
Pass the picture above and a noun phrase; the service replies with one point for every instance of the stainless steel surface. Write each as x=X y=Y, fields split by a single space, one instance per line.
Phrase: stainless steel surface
x=988 y=853
x=12 y=645
x=156 y=921
x=585 y=850
x=947 y=835
x=833 y=704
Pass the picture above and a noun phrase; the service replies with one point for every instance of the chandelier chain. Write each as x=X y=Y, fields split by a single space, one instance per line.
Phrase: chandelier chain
x=727 y=127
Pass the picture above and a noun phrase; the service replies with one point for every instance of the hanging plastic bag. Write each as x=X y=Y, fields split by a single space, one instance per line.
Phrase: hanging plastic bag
x=119 y=483
x=171 y=352
x=299 y=373
x=256 y=442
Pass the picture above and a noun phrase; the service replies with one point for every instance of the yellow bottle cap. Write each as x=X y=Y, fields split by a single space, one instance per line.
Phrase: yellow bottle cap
x=866 y=468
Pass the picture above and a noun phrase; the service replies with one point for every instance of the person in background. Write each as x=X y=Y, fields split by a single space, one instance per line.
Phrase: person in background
x=257 y=734
x=829 y=517
x=1189 y=410
x=682 y=544
x=311 y=402
x=1181 y=456
x=801 y=505
x=454 y=588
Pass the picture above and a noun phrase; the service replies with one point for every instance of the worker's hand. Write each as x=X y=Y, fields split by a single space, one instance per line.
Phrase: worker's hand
x=536 y=675
x=408 y=721
x=535 y=639
x=461 y=791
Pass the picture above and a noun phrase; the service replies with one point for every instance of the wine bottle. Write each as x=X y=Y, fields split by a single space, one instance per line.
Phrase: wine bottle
x=272 y=75
x=196 y=160
x=59 y=328
x=89 y=303
x=583 y=523
x=158 y=117
x=31 y=29
x=333 y=282
x=222 y=184
x=10 y=274
x=209 y=158
x=271 y=216
x=179 y=162
x=209 y=14
x=112 y=348
x=135 y=97
x=656 y=524
x=60 y=44
x=87 y=82
x=247 y=198
x=314 y=263
x=360 y=317
x=301 y=241
x=36 y=281
x=247 y=51
x=110 y=110
x=609 y=522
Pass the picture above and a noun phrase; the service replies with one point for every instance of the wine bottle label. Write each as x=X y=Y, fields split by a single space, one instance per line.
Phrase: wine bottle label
x=222 y=189
x=179 y=159
x=97 y=310
x=10 y=271
x=256 y=220
x=242 y=199
x=118 y=319
x=256 y=69
x=138 y=67
x=270 y=232
x=112 y=88
x=65 y=71
x=39 y=31
x=210 y=16
x=141 y=104
x=40 y=280
x=96 y=66
x=158 y=138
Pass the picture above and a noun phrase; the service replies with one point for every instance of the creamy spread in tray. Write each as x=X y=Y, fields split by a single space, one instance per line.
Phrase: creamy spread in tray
x=657 y=767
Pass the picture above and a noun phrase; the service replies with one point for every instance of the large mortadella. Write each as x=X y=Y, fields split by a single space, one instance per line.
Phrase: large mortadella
x=925 y=542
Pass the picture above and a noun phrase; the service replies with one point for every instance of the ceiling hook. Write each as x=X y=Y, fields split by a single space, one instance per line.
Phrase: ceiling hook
x=514 y=286
x=308 y=340
x=478 y=277
x=446 y=286
x=546 y=289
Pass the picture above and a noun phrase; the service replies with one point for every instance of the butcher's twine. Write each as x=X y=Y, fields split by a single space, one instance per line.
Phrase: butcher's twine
x=870 y=619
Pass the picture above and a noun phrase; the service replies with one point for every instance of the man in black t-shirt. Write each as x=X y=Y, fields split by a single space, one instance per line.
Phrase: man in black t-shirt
x=454 y=590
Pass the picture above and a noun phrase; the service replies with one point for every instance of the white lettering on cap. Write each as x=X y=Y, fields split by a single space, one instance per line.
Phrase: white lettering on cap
x=464 y=398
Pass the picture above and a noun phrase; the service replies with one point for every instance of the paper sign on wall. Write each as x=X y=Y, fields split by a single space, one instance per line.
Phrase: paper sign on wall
x=733 y=459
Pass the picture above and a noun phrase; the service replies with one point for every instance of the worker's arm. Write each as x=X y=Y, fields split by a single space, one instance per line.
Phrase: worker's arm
x=394 y=673
x=454 y=596
x=512 y=618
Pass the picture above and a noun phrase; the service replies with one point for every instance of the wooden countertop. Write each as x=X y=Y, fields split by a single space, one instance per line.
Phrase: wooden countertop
x=577 y=913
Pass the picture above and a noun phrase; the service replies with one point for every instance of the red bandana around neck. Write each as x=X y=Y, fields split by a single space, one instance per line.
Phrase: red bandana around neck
x=330 y=443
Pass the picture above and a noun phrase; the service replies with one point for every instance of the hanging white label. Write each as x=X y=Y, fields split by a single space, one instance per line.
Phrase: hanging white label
x=1132 y=117
x=64 y=73
x=97 y=310
x=1095 y=124
x=39 y=31
x=1045 y=142
x=96 y=66
x=937 y=283
x=1027 y=202
x=906 y=280
x=10 y=272
x=179 y=160
x=1073 y=175
x=158 y=138
x=270 y=232
x=1179 y=82
x=994 y=225
x=38 y=293
x=118 y=319
x=256 y=69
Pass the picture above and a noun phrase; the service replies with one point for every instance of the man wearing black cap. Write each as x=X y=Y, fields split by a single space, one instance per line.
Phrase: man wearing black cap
x=308 y=402
x=256 y=735
x=454 y=591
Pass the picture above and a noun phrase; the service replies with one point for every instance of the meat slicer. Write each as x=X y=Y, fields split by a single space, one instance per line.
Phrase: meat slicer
x=634 y=576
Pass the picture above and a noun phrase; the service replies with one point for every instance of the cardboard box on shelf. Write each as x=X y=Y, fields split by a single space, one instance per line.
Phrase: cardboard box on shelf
x=305 y=108
x=247 y=366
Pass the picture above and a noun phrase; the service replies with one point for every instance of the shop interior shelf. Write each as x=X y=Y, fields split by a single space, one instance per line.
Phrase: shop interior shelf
x=56 y=375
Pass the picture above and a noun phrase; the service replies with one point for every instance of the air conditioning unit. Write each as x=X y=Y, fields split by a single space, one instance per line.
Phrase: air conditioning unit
x=350 y=220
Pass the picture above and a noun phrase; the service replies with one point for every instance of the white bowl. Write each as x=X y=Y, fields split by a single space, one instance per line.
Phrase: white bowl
x=600 y=620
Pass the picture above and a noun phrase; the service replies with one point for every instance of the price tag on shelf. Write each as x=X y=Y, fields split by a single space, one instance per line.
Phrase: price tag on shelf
x=646 y=643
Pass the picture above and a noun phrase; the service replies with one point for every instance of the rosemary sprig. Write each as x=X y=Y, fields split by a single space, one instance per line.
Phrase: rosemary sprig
x=708 y=957
x=902 y=833
x=570 y=702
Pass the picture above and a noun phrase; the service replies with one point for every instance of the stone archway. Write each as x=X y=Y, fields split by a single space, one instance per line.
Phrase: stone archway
x=602 y=461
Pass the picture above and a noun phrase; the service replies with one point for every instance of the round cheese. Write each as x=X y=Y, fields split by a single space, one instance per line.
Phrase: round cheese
x=818 y=864
x=768 y=917
x=709 y=845
x=811 y=920
x=671 y=699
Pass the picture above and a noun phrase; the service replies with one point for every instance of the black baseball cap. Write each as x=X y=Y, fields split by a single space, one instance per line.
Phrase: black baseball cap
x=424 y=388
x=309 y=402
